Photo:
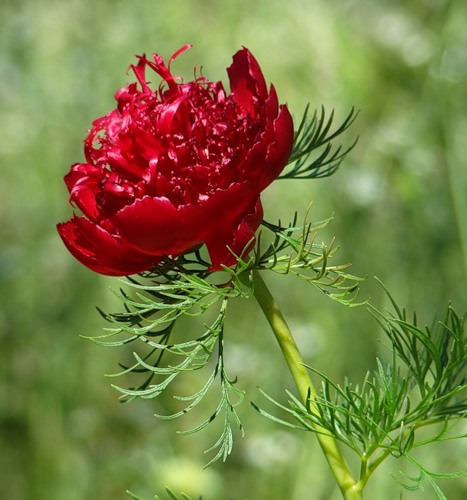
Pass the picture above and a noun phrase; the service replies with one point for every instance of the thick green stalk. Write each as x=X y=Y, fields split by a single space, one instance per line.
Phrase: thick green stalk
x=348 y=485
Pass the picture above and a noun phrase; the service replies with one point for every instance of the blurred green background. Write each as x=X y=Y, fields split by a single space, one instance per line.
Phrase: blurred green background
x=399 y=203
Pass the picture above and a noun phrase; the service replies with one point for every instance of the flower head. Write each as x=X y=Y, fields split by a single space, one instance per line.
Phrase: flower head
x=173 y=168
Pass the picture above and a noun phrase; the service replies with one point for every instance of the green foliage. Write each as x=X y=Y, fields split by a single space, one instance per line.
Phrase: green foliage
x=295 y=251
x=313 y=155
x=416 y=482
x=150 y=318
x=423 y=385
x=184 y=287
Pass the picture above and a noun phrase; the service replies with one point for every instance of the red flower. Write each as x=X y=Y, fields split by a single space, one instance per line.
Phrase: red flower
x=176 y=167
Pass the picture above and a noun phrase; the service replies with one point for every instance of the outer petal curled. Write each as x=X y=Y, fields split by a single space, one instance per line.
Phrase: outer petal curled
x=100 y=251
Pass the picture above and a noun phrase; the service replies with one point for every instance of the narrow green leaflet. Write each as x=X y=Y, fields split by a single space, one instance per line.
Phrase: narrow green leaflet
x=313 y=155
x=422 y=384
x=295 y=251
x=165 y=354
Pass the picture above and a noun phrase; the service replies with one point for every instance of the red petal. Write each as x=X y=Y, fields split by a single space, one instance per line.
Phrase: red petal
x=140 y=72
x=280 y=149
x=268 y=157
x=121 y=162
x=99 y=251
x=157 y=227
x=247 y=82
x=271 y=104
x=231 y=241
x=178 y=52
x=78 y=172
x=83 y=184
x=166 y=118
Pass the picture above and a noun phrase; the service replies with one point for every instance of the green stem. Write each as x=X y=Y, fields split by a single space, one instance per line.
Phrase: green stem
x=349 y=487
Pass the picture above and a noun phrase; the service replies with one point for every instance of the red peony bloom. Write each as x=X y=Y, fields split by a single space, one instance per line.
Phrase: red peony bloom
x=176 y=167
